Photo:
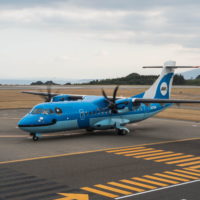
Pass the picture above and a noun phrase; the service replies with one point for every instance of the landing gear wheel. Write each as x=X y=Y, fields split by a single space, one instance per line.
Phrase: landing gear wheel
x=35 y=137
x=122 y=132
x=89 y=130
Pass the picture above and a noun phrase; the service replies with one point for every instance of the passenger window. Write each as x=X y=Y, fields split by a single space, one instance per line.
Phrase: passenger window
x=58 y=111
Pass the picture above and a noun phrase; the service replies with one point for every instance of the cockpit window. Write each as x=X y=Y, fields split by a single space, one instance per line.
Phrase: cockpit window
x=41 y=111
x=58 y=110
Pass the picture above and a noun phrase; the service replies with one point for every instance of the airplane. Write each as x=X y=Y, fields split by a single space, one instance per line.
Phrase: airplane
x=64 y=112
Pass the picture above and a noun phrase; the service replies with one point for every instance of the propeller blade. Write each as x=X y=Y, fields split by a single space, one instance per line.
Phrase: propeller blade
x=112 y=105
x=104 y=94
x=48 y=99
x=44 y=98
x=115 y=93
x=106 y=97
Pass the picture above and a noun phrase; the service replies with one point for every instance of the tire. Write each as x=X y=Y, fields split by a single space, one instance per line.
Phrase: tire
x=35 y=138
x=89 y=130
x=122 y=132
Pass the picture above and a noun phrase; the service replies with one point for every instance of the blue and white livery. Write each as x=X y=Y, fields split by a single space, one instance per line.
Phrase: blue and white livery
x=62 y=112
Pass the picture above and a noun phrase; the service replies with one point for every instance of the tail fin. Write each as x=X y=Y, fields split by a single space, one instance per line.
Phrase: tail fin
x=161 y=89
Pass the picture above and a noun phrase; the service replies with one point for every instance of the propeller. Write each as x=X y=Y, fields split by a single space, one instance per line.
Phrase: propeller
x=49 y=95
x=112 y=105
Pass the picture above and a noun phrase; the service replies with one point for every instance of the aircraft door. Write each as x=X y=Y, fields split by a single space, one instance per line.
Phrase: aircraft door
x=82 y=114
x=83 y=120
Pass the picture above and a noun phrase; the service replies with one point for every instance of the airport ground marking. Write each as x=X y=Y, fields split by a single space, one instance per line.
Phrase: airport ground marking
x=145 y=184
x=165 y=156
x=100 y=192
x=70 y=196
x=140 y=150
x=94 y=151
x=185 y=160
x=192 y=169
x=159 y=155
x=144 y=152
x=14 y=136
x=175 y=158
x=158 y=189
x=161 y=179
x=195 y=167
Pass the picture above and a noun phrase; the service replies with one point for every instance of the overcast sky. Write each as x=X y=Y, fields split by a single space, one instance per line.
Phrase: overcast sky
x=96 y=38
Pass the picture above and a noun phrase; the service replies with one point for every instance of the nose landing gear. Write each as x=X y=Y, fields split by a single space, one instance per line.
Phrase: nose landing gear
x=35 y=136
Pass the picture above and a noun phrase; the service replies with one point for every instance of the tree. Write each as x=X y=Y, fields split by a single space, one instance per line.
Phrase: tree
x=198 y=77
x=50 y=83
x=37 y=83
x=68 y=83
x=179 y=80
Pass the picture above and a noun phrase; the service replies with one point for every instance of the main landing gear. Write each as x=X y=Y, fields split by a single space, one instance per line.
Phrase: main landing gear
x=122 y=131
x=35 y=136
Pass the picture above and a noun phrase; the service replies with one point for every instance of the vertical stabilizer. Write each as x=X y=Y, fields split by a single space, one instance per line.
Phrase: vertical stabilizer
x=161 y=89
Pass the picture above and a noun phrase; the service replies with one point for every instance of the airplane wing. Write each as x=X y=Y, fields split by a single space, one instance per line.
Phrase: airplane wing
x=73 y=96
x=140 y=100
x=46 y=94
x=40 y=93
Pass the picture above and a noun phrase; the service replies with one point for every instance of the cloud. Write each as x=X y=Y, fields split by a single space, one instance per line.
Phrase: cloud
x=102 y=53
x=29 y=3
x=128 y=21
x=63 y=58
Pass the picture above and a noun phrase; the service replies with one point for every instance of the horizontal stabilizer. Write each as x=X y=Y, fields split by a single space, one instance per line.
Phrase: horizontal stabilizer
x=164 y=101
x=174 y=67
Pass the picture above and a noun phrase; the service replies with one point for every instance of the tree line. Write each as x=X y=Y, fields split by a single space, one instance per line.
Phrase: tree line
x=137 y=79
x=131 y=79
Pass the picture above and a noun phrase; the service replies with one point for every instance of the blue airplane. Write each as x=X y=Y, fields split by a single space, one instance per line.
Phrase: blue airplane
x=63 y=112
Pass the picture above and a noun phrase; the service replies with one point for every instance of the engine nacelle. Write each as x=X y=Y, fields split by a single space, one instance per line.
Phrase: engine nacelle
x=62 y=97
x=124 y=105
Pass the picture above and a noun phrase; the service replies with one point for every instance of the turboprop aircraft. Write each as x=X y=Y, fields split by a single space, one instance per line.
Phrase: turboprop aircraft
x=62 y=112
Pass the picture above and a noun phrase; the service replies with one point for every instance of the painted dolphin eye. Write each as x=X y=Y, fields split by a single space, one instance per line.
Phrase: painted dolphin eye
x=58 y=110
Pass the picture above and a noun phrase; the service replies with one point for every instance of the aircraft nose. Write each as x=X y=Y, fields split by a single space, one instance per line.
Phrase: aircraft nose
x=34 y=121
x=27 y=121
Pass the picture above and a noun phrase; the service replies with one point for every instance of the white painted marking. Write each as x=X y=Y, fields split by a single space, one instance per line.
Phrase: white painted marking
x=9 y=118
x=164 y=88
x=131 y=195
x=13 y=136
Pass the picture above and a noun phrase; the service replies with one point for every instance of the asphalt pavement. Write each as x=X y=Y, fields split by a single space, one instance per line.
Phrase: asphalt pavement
x=159 y=159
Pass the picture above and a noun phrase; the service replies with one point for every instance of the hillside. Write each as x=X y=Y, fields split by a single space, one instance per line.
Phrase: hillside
x=191 y=74
x=137 y=79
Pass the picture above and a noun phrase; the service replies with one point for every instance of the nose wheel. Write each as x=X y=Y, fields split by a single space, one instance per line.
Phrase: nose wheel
x=35 y=136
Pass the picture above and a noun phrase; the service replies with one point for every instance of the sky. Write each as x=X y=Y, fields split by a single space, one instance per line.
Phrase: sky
x=89 y=39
